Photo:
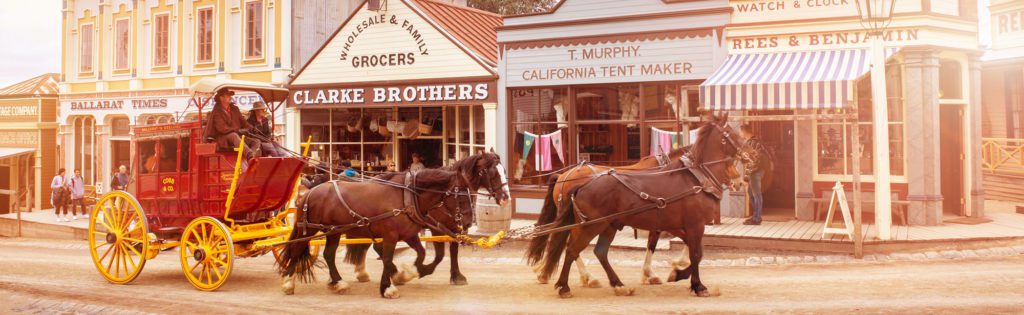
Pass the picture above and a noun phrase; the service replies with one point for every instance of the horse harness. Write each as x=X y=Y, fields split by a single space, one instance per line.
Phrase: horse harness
x=410 y=197
x=709 y=184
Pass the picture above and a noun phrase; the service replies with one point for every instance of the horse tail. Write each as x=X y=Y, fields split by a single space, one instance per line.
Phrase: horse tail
x=558 y=241
x=548 y=213
x=355 y=254
x=296 y=258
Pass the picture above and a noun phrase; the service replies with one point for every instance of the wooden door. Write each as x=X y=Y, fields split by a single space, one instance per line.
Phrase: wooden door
x=779 y=187
x=5 y=183
x=951 y=159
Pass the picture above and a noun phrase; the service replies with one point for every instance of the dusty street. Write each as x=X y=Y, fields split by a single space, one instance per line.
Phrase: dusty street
x=58 y=277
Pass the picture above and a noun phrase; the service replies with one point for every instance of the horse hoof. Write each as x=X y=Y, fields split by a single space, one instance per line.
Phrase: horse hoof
x=391 y=293
x=339 y=288
x=542 y=280
x=624 y=291
x=652 y=281
x=564 y=293
x=289 y=286
x=593 y=284
x=702 y=293
x=459 y=281
x=363 y=277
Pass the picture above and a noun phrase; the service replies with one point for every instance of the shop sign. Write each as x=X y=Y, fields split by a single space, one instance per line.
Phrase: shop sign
x=648 y=60
x=756 y=11
x=392 y=95
x=19 y=138
x=1009 y=22
x=19 y=111
x=836 y=39
x=119 y=104
x=384 y=59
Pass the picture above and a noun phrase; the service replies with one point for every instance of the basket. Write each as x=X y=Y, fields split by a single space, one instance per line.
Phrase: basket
x=426 y=129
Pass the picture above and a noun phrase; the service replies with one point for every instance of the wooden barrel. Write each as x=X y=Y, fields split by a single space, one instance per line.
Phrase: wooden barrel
x=491 y=217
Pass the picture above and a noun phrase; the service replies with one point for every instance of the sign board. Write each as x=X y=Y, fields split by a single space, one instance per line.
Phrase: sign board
x=667 y=59
x=393 y=45
x=423 y=94
x=760 y=11
x=838 y=197
x=1007 y=26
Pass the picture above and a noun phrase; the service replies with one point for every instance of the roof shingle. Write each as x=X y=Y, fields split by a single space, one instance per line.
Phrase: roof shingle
x=42 y=85
x=474 y=28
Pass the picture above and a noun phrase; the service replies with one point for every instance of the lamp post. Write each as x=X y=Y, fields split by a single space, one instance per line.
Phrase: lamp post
x=875 y=17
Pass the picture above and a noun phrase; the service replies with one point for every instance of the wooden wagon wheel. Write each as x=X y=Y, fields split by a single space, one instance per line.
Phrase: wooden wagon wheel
x=118 y=237
x=207 y=253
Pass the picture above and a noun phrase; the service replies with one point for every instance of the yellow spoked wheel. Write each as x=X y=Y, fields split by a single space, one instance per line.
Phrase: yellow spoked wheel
x=118 y=237
x=206 y=253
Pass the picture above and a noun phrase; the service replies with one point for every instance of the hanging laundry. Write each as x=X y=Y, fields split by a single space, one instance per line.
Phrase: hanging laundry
x=664 y=141
x=543 y=153
x=556 y=142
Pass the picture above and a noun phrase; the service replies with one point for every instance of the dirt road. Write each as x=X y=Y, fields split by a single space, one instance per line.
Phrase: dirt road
x=58 y=277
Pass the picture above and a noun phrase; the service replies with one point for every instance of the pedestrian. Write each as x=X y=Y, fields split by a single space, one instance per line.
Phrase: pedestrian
x=754 y=172
x=56 y=197
x=120 y=179
x=77 y=185
x=417 y=163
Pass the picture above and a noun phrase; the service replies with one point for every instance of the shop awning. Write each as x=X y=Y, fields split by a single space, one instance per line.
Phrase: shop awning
x=787 y=80
x=12 y=152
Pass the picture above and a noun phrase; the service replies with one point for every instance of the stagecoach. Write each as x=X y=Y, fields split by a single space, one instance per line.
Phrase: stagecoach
x=190 y=195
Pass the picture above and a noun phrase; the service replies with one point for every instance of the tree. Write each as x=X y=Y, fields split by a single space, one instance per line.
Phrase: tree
x=512 y=7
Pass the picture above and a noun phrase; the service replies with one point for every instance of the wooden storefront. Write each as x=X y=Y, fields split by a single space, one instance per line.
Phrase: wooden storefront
x=934 y=106
x=415 y=76
x=28 y=142
x=1003 y=99
x=601 y=82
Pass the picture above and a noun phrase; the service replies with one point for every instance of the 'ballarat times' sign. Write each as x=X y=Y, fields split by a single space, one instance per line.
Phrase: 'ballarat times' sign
x=616 y=62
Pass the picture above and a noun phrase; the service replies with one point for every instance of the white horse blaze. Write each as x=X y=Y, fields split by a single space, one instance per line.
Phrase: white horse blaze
x=504 y=181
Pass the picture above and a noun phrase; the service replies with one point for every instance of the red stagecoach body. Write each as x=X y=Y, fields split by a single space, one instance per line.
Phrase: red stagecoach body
x=192 y=179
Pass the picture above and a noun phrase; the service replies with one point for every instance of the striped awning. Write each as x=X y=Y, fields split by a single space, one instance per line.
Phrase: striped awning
x=820 y=79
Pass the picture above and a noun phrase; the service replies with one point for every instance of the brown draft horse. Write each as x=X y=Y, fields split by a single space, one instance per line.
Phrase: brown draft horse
x=558 y=188
x=356 y=254
x=678 y=197
x=377 y=208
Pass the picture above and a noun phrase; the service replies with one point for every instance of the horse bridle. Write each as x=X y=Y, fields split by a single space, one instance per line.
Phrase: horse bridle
x=716 y=185
x=491 y=191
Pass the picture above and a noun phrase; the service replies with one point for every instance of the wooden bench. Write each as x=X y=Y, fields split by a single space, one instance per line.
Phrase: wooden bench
x=899 y=207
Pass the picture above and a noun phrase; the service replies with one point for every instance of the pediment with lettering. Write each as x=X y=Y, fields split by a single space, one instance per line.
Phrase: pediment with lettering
x=394 y=45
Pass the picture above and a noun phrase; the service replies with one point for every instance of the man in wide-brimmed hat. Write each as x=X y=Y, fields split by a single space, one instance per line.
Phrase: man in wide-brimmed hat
x=261 y=128
x=226 y=125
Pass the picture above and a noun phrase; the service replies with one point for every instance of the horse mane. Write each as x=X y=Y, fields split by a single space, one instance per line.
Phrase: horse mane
x=467 y=164
x=702 y=136
x=434 y=178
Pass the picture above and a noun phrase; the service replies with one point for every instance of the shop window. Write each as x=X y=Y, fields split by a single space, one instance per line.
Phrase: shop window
x=1013 y=81
x=346 y=125
x=85 y=147
x=254 y=29
x=608 y=103
x=120 y=127
x=835 y=147
x=538 y=112
x=204 y=35
x=85 y=48
x=465 y=131
x=161 y=40
x=662 y=102
x=121 y=44
x=950 y=82
x=316 y=125
x=183 y=153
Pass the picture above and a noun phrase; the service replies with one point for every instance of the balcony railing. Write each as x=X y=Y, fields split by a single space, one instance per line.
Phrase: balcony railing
x=1002 y=156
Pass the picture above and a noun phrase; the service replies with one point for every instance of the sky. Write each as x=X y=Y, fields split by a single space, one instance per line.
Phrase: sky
x=30 y=38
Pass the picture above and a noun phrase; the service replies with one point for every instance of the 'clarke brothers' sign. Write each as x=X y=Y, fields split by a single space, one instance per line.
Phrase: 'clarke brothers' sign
x=391 y=95
x=633 y=61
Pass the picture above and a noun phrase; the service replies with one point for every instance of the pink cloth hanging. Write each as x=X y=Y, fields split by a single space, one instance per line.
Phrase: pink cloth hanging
x=544 y=153
x=556 y=142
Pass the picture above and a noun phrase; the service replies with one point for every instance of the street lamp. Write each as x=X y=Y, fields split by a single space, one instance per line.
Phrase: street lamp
x=875 y=17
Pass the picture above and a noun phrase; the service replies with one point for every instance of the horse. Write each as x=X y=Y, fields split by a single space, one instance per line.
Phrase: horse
x=660 y=200
x=394 y=207
x=356 y=254
x=579 y=175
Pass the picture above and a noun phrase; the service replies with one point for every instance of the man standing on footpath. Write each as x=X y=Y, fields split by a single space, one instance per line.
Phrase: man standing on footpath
x=120 y=180
x=77 y=195
x=754 y=172
x=55 y=186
